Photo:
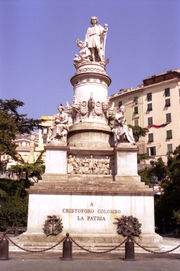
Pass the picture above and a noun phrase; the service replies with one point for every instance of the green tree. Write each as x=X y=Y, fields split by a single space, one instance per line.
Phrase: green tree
x=11 y=124
x=167 y=205
x=35 y=169
x=23 y=124
x=159 y=169
x=8 y=131
x=157 y=172
x=13 y=196
x=14 y=203
x=138 y=132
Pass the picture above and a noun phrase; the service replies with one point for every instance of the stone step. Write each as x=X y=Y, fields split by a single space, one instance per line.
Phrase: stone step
x=97 y=247
x=86 y=186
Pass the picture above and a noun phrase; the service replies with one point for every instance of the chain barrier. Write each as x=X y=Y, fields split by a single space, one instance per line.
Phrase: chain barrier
x=156 y=252
x=91 y=251
x=97 y=252
x=35 y=251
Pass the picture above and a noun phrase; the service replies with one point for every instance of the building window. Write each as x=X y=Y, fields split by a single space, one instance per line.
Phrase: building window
x=167 y=92
x=136 y=110
x=135 y=100
x=169 y=148
x=136 y=123
x=150 y=137
x=167 y=103
x=119 y=104
x=149 y=107
x=150 y=121
x=149 y=97
x=168 y=117
x=151 y=151
x=169 y=134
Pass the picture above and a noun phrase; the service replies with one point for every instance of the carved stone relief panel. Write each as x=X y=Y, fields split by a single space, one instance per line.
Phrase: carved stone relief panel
x=90 y=165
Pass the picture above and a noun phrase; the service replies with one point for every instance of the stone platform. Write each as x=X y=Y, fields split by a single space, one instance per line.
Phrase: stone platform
x=88 y=206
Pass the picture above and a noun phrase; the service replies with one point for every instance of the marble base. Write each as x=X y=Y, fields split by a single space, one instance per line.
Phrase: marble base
x=56 y=159
x=89 y=218
x=126 y=159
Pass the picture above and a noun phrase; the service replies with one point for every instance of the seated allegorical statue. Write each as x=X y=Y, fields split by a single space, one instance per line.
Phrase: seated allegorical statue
x=59 y=129
x=122 y=133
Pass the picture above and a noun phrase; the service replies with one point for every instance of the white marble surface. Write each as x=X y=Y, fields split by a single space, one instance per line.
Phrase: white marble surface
x=85 y=214
x=84 y=89
x=56 y=161
x=126 y=163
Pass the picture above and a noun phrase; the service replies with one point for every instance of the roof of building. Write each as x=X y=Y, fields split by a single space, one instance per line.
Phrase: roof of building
x=162 y=77
x=149 y=81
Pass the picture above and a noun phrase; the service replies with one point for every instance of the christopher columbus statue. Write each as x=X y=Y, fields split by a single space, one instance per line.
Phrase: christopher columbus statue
x=92 y=49
x=95 y=40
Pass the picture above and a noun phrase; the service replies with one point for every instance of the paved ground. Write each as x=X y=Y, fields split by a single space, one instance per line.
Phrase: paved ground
x=51 y=261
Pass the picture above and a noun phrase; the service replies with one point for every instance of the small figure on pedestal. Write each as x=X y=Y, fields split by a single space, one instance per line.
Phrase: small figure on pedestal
x=122 y=133
x=59 y=129
x=84 y=53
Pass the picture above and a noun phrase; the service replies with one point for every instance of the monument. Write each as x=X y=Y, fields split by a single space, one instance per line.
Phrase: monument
x=91 y=169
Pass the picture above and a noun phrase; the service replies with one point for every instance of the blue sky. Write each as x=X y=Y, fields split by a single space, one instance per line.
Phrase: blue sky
x=38 y=43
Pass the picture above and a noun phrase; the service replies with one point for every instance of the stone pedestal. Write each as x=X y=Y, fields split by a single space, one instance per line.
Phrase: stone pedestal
x=56 y=158
x=88 y=207
x=126 y=159
x=89 y=215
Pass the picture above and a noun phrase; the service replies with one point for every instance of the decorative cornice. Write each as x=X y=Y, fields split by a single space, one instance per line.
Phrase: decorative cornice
x=81 y=76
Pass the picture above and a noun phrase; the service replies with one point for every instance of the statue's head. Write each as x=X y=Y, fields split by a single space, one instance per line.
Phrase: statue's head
x=60 y=108
x=94 y=20
x=122 y=108
x=81 y=44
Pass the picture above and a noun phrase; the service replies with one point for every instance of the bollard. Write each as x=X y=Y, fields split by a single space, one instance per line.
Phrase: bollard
x=16 y=231
x=67 y=248
x=129 y=250
x=4 y=248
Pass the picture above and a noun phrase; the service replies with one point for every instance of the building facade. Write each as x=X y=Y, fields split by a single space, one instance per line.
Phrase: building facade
x=27 y=148
x=154 y=105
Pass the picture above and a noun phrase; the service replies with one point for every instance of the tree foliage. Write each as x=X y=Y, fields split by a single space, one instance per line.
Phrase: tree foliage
x=30 y=170
x=8 y=130
x=13 y=196
x=23 y=124
x=14 y=203
x=168 y=176
x=138 y=132
x=158 y=172
x=13 y=123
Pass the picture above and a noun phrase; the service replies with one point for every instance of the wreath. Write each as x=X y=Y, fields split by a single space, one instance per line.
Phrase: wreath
x=53 y=225
x=128 y=226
